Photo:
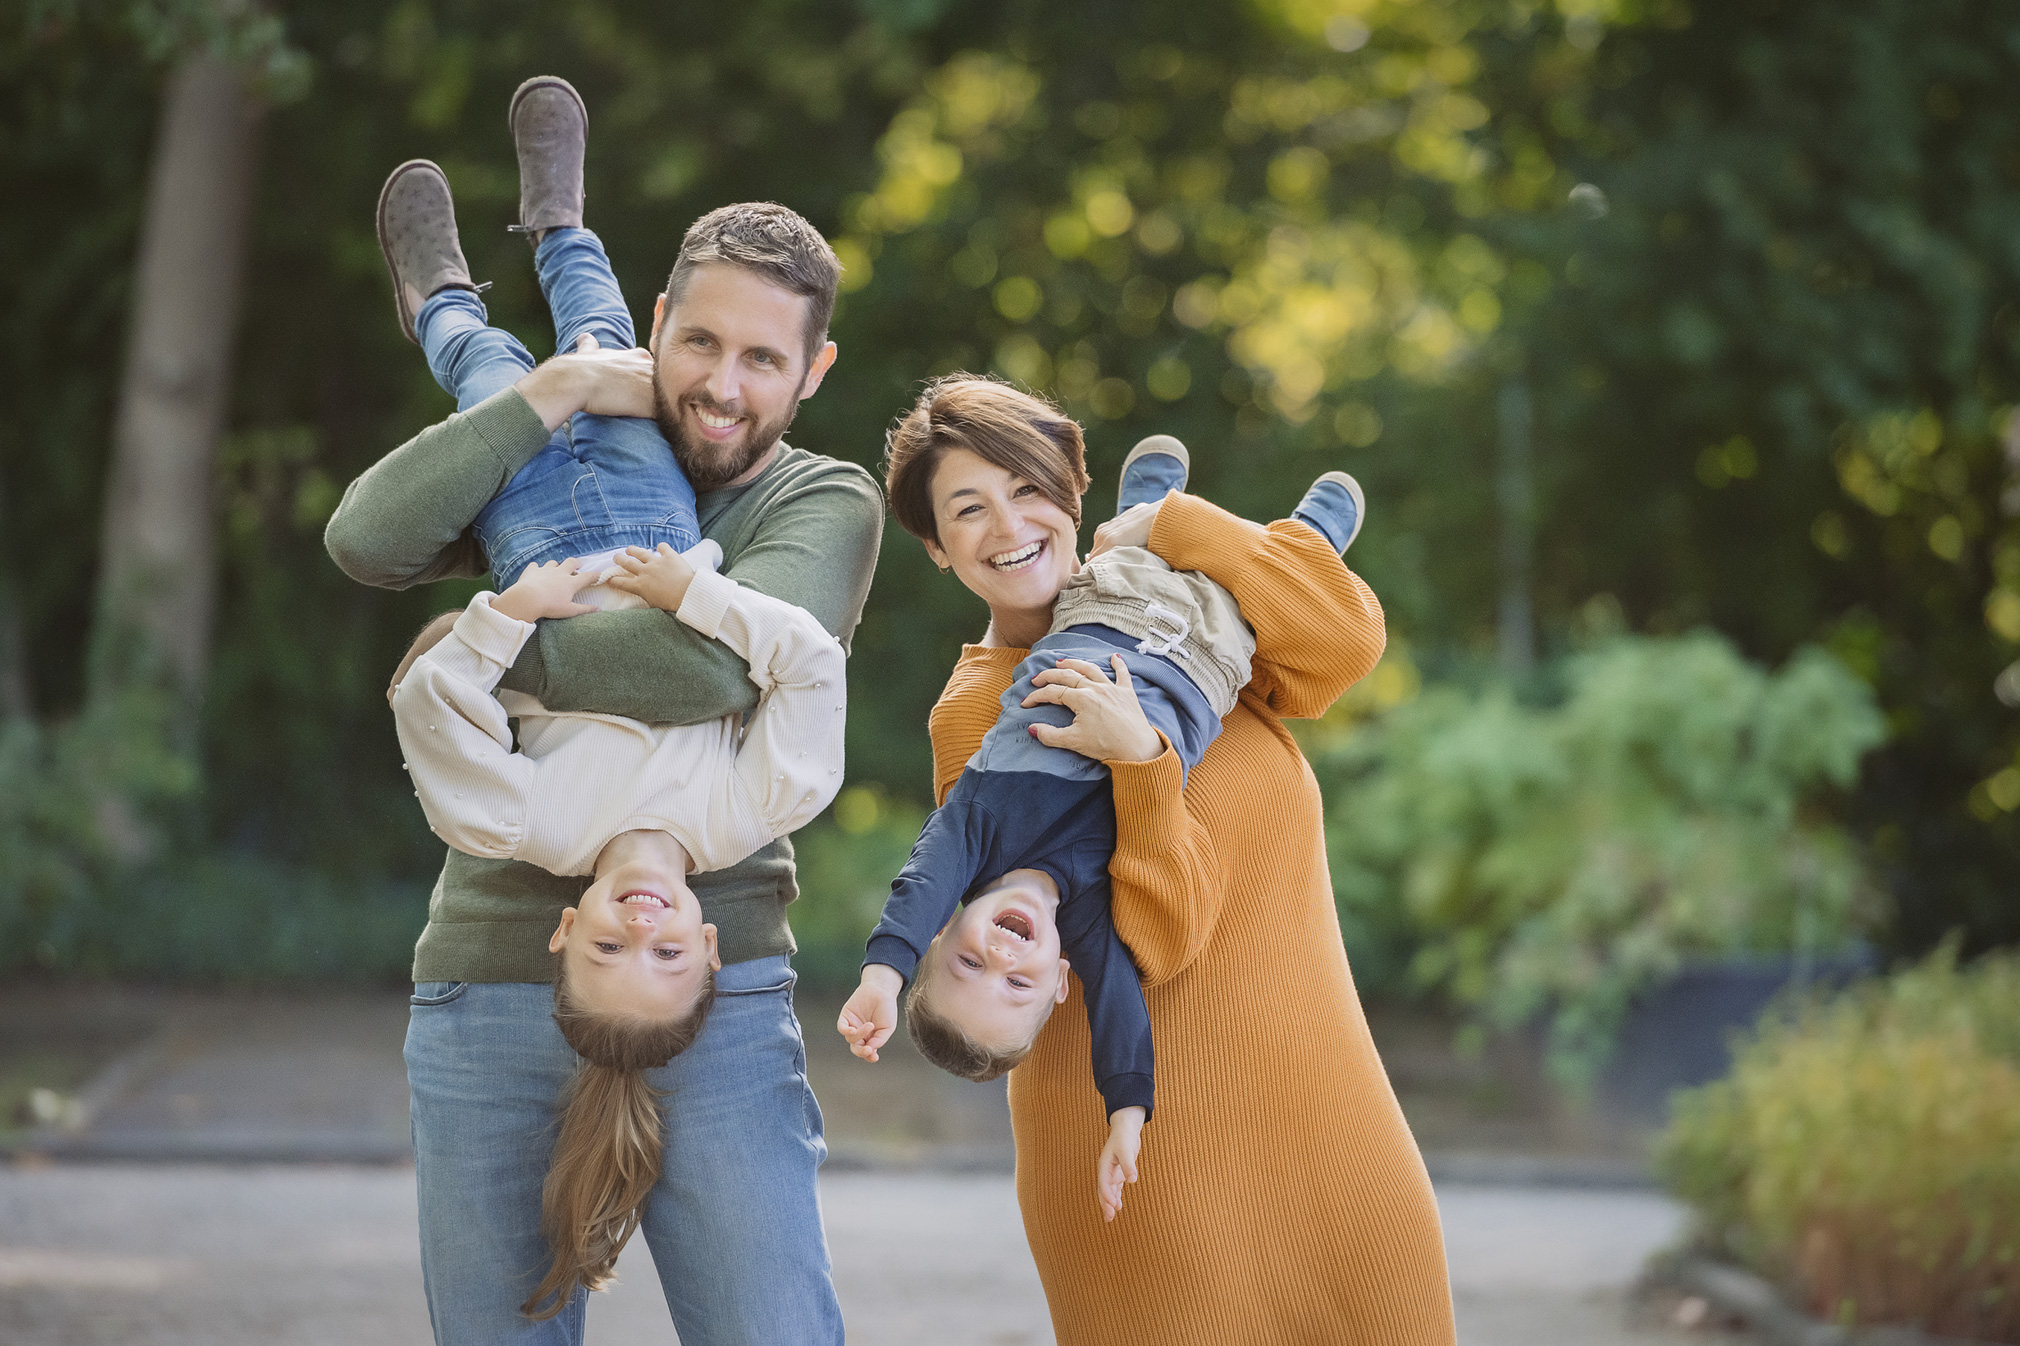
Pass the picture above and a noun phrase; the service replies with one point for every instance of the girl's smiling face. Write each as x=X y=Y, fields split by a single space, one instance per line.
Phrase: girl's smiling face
x=1002 y=535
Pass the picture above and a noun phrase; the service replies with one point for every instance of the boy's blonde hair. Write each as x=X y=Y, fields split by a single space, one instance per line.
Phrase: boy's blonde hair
x=608 y=1153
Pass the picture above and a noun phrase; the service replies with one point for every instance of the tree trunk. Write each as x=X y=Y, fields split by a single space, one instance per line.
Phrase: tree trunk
x=157 y=570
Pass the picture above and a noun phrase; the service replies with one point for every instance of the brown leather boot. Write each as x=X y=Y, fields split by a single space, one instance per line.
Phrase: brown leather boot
x=417 y=233
x=550 y=128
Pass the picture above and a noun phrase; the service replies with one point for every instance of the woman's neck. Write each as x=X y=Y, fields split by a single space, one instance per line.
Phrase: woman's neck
x=1018 y=628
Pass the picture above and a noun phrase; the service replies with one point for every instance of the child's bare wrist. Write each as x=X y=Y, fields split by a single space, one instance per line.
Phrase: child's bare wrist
x=883 y=977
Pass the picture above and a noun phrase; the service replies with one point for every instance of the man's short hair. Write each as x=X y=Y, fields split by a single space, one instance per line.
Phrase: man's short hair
x=778 y=244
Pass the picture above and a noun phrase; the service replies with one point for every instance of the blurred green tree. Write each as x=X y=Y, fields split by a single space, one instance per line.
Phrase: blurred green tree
x=1752 y=265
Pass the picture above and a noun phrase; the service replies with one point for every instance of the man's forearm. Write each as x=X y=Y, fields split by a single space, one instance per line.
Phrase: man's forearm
x=816 y=549
x=405 y=520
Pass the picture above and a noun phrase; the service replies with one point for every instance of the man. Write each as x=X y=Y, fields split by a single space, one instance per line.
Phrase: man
x=738 y=340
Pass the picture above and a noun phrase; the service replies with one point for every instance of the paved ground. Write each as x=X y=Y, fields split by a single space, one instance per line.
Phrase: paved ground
x=142 y=1245
x=198 y=1255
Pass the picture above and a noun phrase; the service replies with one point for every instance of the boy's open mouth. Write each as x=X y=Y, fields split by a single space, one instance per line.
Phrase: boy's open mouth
x=1015 y=923
x=640 y=898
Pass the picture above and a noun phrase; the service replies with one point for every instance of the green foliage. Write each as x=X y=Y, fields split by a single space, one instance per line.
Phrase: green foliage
x=847 y=859
x=81 y=807
x=1866 y=1151
x=1754 y=263
x=1562 y=859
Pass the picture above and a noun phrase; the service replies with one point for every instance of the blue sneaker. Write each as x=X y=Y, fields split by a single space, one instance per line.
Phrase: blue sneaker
x=1335 y=507
x=1155 y=468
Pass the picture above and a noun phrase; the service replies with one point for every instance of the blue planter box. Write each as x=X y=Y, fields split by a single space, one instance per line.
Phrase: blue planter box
x=1680 y=1035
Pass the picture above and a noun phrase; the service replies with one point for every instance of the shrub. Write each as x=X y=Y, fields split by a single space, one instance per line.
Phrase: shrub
x=1561 y=859
x=847 y=859
x=1866 y=1152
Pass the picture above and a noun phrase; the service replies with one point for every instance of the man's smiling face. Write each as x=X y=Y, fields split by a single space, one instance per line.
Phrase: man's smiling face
x=730 y=368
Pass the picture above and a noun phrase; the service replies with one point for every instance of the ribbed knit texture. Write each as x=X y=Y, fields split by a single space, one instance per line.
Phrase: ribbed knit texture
x=1282 y=1200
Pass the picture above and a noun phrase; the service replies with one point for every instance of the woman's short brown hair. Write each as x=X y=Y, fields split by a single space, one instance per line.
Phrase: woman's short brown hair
x=1017 y=431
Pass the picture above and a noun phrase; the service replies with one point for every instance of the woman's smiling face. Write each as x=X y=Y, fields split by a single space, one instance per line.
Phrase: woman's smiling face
x=1002 y=535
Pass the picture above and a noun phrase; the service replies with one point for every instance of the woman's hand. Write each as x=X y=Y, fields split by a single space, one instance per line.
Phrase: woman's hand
x=660 y=579
x=1108 y=721
x=1131 y=528
x=544 y=591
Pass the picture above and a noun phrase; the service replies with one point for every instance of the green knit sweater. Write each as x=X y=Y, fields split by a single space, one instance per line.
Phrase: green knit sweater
x=806 y=531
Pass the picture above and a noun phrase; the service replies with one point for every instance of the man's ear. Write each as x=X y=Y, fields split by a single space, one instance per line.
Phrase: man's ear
x=824 y=360
x=561 y=931
x=658 y=315
x=708 y=938
x=1060 y=997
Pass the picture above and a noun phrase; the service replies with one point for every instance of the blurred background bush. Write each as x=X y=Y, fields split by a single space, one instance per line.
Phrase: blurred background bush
x=1865 y=1152
x=1675 y=344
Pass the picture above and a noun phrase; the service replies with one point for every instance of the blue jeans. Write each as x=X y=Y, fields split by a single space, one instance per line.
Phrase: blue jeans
x=735 y=1222
x=602 y=482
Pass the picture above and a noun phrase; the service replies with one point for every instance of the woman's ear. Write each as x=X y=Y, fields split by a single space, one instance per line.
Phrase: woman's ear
x=937 y=555
x=560 y=938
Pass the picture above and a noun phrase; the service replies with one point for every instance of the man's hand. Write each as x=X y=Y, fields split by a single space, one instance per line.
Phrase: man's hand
x=1117 y=1164
x=1131 y=528
x=1108 y=721
x=591 y=379
x=544 y=591
x=871 y=1014
x=661 y=578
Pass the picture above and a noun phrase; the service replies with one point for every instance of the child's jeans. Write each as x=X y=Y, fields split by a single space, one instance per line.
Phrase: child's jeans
x=602 y=482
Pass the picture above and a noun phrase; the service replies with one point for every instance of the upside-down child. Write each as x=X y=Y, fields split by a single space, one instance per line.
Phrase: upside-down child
x=1022 y=843
x=602 y=517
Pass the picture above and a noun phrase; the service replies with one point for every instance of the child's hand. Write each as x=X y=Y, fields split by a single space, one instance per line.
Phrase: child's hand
x=871 y=1014
x=661 y=579
x=1118 y=1159
x=544 y=591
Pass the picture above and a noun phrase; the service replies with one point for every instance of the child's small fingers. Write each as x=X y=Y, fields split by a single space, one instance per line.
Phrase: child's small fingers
x=665 y=550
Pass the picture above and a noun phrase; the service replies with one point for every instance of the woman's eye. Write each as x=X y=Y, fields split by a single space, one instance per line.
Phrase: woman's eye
x=1026 y=489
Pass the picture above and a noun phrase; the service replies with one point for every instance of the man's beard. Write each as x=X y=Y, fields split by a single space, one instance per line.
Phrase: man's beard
x=711 y=465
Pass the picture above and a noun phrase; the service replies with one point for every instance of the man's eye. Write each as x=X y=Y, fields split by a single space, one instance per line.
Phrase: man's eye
x=759 y=357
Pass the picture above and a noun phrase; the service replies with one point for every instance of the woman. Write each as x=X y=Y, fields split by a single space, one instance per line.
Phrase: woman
x=1282 y=1197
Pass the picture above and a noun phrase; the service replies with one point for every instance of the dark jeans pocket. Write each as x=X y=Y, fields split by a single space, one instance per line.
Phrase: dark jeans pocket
x=438 y=992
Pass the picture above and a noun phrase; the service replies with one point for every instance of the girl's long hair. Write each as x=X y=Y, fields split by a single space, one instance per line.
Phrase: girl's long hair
x=607 y=1155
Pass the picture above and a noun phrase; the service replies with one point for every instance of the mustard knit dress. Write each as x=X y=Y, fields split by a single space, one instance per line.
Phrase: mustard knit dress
x=1282 y=1198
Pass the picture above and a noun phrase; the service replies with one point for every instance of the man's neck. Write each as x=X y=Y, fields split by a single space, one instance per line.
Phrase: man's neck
x=755 y=470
